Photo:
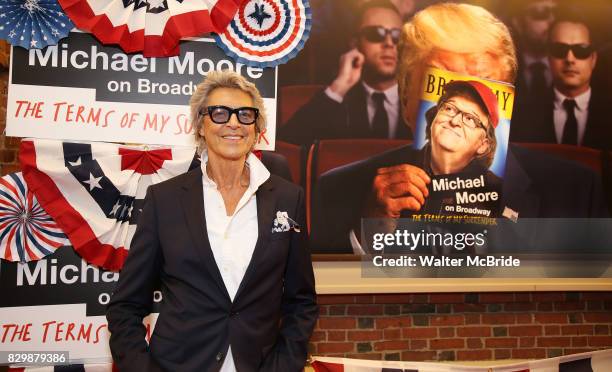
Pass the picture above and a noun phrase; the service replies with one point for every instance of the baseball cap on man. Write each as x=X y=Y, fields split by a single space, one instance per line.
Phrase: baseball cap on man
x=487 y=99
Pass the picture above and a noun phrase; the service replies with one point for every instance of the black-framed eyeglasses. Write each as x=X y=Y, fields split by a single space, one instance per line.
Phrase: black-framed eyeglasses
x=560 y=50
x=377 y=34
x=222 y=114
x=468 y=119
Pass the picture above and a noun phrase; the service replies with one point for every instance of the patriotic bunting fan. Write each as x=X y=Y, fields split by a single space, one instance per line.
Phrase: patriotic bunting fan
x=266 y=33
x=153 y=27
x=27 y=232
x=33 y=24
x=94 y=191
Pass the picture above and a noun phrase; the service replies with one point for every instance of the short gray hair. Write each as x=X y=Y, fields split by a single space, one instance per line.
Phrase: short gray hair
x=223 y=79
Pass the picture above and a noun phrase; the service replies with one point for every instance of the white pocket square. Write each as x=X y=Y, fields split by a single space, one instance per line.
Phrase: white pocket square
x=283 y=223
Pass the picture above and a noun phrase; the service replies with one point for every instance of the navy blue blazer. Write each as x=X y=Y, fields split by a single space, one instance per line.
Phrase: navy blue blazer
x=272 y=316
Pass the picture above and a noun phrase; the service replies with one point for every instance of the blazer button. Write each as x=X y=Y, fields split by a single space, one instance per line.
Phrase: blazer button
x=219 y=356
x=233 y=313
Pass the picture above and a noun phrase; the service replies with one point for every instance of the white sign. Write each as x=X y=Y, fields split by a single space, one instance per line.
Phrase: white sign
x=82 y=90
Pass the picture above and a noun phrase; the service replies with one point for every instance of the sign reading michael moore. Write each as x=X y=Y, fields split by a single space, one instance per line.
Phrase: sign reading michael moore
x=82 y=90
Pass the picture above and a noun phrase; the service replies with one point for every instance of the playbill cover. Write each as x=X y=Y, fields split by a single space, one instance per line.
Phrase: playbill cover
x=462 y=136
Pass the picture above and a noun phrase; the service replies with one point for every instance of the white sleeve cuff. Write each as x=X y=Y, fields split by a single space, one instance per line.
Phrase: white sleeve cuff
x=333 y=95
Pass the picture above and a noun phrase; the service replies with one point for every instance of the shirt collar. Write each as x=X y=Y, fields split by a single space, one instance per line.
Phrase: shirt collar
x=582 y=100
x=391 y=93
x=258 y=171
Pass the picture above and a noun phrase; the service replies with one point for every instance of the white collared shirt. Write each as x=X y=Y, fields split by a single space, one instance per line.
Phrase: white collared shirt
x=232 y=238
x=581 y=111
x=391 y=104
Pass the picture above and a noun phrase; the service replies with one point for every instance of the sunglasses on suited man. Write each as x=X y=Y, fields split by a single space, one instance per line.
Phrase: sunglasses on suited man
x=560 y=50
x=222 y=114
x=377 y=34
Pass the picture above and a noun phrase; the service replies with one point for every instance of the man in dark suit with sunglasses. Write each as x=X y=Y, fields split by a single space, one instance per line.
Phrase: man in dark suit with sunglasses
x=575 y=114
x=362 y=101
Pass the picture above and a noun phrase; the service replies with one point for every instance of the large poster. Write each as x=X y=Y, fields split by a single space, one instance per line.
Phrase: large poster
x=82 y=90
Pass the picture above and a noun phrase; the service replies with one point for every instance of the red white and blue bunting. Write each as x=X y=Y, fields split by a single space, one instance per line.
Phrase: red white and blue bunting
x=95 y=191
x=27 y=232
x=266 y=33
x=33 y=24
x=153 y=27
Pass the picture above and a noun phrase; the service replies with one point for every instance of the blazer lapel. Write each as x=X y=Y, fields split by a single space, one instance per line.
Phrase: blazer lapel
x=266 y=202
x=549 y=135
x=357 y=105
x=192 y=201
x=598 y=132
x=591 y=130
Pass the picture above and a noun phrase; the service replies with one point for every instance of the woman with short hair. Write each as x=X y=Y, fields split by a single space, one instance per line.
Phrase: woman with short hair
x=227 y=245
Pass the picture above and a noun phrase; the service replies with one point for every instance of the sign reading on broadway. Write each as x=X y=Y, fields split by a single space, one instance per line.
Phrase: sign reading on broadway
x=82 y=90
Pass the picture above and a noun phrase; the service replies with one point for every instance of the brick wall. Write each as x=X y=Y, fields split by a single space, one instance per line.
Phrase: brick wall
x=463 y=326
x=8 y=145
